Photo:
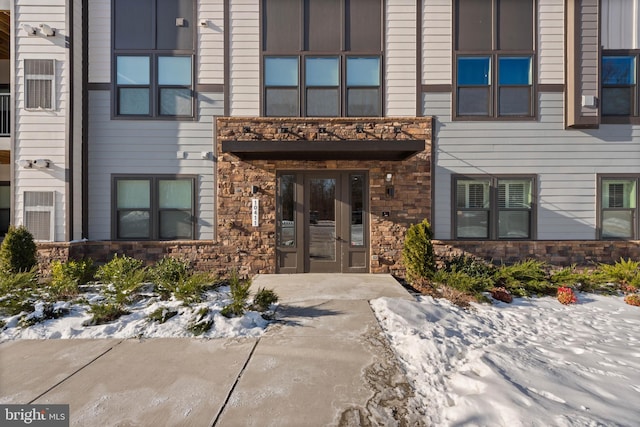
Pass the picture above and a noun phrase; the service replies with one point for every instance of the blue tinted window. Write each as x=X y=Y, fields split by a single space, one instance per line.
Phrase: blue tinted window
x=322 y=71
x=363 y=71
x=133 y=70
x=618 y=70
x=281 y=71
x=474 y=71
x=514 y=70
x=174 y=70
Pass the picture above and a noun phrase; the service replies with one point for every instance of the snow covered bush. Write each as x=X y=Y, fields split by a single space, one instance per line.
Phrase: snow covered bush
x=566 y=295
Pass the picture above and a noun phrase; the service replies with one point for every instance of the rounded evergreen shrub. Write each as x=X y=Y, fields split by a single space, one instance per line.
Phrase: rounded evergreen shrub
x=418 y=253
x=18 y=251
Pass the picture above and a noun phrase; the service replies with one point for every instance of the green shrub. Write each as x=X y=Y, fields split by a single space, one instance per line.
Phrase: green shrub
x=162 y=314
x=525 y=278
x=462 y=281
x=191 y=289
x=104 y=313
x=570 y=277
x=201 y=323
x=18 y=252
x=167 y=272
x=125 y=274
x=263 y=299
x=472 y=266
x=417 y=254
x=18 y=293
x=623 y=272
x=239 y=290
x=66 y=277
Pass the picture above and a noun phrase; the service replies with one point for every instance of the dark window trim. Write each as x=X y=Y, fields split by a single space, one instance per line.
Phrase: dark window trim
x=154 y=86
x=154 y=93
x=534 y=70
x=617 y=120
x=635 y=227
x=494 y=86
x=154 y=208
x=301 y=53
x=493 y=204
x=342 y=85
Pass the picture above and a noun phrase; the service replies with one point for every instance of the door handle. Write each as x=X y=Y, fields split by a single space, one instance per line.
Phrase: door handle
x=338 y=239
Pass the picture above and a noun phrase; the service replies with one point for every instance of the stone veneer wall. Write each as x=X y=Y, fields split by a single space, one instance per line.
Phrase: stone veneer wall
x=583 y=253
x=411 y=179
x=210 y=256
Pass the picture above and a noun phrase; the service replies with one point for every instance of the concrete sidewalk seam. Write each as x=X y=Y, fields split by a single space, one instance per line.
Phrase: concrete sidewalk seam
x=75 y=372
x=235 y=383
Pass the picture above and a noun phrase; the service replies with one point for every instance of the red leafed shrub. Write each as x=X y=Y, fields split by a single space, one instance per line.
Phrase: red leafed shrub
x=633 y=299
x=566 y=295
x=501 y=294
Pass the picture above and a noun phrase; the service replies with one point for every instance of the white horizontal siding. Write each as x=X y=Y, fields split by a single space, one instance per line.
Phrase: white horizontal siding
x=550 y=41
x=99 y=16
x=244 y=71
x=436 y=41
x=149 y=147
x=400 y=58
x=41 y=134
x=210 y=42
x=565 y=162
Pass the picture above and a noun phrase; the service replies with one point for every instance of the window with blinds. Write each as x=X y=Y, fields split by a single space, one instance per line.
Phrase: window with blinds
x=494 y=208
x=39 y=84
x=618 y=208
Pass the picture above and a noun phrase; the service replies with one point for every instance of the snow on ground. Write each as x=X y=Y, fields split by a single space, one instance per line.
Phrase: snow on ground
x=534 y=362
x=137 y=324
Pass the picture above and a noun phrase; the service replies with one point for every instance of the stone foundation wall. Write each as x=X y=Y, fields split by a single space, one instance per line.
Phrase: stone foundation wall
x=583 y=253
x=213 y=257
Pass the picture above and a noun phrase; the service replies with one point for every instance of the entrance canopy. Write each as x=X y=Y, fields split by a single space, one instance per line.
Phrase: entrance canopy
x=324 y=150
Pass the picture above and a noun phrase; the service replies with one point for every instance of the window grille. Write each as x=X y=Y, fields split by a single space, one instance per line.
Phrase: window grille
x=39 y=83
x=39 y=214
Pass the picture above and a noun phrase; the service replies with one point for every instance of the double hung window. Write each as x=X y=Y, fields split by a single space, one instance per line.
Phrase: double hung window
x=494 y=58
x=322 y=58
x=153 y=58
x=618 y=207
x=619 y=85
x=493 y=207
x=152 y=208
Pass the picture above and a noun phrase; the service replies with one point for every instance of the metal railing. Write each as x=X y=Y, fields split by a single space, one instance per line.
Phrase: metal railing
x=5 y=114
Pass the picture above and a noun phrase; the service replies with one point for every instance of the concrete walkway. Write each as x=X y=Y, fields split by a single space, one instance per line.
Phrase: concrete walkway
x=324 y=362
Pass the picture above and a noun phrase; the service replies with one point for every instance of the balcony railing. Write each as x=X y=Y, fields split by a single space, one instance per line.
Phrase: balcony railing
x=5 y=114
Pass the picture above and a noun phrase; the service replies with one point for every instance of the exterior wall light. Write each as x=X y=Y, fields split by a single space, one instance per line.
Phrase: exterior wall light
x=47 y=30
x=29 y=29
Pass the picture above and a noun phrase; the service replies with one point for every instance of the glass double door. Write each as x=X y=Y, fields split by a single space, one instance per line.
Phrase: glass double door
x=322 y=222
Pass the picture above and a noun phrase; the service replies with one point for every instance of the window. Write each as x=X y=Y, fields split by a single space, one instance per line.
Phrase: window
x=148 y=208
x=494 y=63
x=153 y=58
x=39 y=214
x=309 y=65
x=493 y=208
x=619 y=85
x=5 y=207
x=39 y=84
x=618 y=201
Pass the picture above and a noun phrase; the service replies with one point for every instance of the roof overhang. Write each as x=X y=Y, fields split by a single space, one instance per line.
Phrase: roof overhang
x=395 y=150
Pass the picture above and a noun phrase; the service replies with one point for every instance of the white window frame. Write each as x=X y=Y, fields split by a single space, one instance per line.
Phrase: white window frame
x=40 y=77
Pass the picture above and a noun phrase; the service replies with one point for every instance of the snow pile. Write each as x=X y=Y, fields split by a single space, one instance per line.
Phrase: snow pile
x=137 y=324
x=534 y=362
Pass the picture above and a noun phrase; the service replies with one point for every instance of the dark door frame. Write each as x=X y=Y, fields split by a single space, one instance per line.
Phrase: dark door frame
x=353 y=249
